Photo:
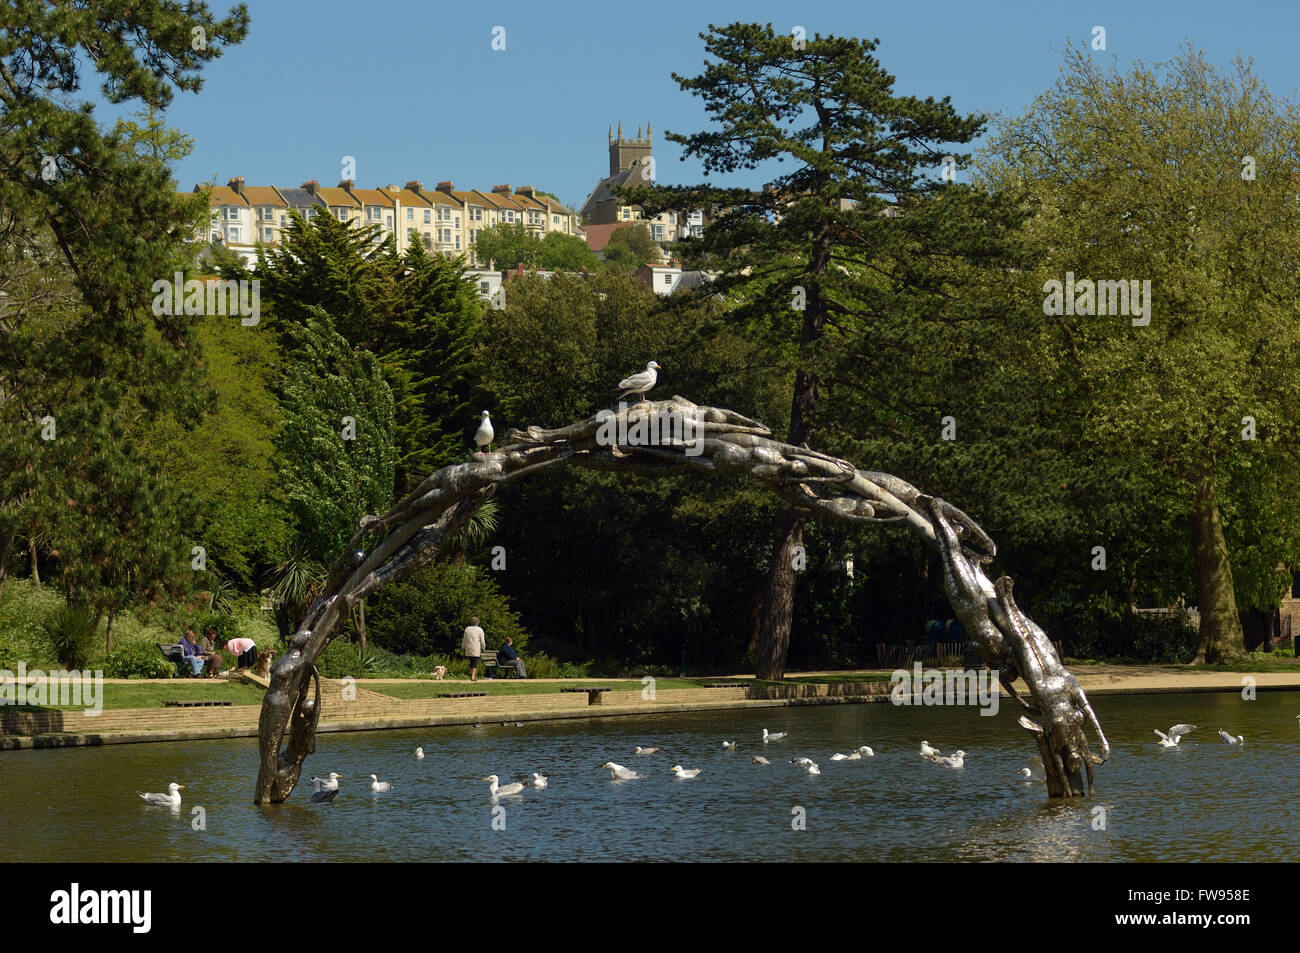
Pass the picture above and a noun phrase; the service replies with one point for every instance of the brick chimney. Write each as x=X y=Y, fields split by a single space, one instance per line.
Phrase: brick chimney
x=237 y=183
x=503 y=189
x=415 y=186
x=311 y=185
x=346 y=185
x=526 y=190
x=445 y=187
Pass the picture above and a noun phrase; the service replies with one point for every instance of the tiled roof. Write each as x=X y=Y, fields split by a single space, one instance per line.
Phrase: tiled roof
x=498 y=200
x=299 y=198
x=373 y=197
x=598 y=235
x=335 y=196
x=225 y=195
x=406 y=197
x=262 y=195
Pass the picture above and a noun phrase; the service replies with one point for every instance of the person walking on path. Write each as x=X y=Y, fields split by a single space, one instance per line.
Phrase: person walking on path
x=472 y=644
x=508 y=655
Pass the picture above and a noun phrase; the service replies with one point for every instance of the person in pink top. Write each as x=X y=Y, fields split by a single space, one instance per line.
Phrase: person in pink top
x=246 y=650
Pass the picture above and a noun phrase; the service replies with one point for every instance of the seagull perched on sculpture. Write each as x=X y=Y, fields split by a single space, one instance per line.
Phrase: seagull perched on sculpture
x=638 y=383
x=484 y=435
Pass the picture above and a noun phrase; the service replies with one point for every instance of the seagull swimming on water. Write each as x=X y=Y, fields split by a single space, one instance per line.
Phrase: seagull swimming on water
x=419 y=752
x=802 y=762
x=539 y=780
x=685 y=773
x=1175 y=735
x=484 y=435
x=773 y=735
x=1229 y=739
x=729 y=745
x=653 y=749
x=928 y=750
x=639 y=383
x=379 y=786
x=321 y=793
x=619 y=773
x=1035 y=771
x=813 y=769
x=171 y=799
x=499 y=790
x=956 y=760
x=329 y=784
x=759 y=759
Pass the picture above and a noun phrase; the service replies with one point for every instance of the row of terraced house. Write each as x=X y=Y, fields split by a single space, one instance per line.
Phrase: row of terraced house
x=444 y=220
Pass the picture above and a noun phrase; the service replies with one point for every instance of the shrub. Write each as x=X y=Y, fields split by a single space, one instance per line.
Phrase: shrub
x=341 y=659
x=73 y=631
x=427 y=612
x=138 y=660
x=1091 y=632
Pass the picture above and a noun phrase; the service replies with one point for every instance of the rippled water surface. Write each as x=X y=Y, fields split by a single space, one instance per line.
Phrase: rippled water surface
x=1204 y=801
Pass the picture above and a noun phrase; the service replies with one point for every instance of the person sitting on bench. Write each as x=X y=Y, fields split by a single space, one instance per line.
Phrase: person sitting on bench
x=506 y=655
x=208 y=648
x=190 y=650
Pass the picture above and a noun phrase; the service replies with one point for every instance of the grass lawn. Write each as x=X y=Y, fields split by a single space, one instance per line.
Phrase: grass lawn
x=149 y=695
x=527 y=686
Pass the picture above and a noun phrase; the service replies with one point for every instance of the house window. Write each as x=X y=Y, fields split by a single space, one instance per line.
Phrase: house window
x=428 y=215
x=341 y=214
x=232 y=232
x=668 y=279
x=478 y=215
x=374 y=214
x=283 y=217
x=267 y=235
x=446 y=234
x=510 y=216
x=555 y=220
x=388 y=220
x=657 y=232
x=483 y=287
x=627 y=214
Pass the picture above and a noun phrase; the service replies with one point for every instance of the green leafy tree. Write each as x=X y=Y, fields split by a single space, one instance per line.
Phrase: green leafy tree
x=1181 y=176
x=562 y=252
x=508 y=246
x=849 y=261
x=103 y=220
x=630 y=248
x=336 y=439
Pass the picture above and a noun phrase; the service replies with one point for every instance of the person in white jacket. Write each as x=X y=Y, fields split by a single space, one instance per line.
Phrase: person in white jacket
x=472 y=644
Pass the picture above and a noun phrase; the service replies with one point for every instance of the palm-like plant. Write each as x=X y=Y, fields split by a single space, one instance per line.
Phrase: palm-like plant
x=295 y=583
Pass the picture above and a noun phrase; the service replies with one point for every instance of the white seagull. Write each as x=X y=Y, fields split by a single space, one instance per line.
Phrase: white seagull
x=419 y=752
x=813 y=769
x=729 y=745
x=379 y=786
x=654 y=749
x=928 y=750
x=759 y=759
x=841 y=757
x=1229 y=739
x=171 y=799
x=863 y=752
x=499 y=790
x=329 y=784
x=639 y=383
x=539 y=780
x=802 y=762
x=1035 y=771
x=957 y=760
x=619 y=773
x=483 y=436
x=1175 y=735
x=686 y=773
x=321 y=793
x=773 y=735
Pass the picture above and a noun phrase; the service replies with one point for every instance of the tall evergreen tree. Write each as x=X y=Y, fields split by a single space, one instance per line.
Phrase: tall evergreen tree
x=850 y=263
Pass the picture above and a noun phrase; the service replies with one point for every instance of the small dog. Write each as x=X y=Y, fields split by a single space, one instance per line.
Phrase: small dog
x=439 y=671
x=264 y=664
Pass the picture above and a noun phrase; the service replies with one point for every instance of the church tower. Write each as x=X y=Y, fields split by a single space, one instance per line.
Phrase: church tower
x=624 y=152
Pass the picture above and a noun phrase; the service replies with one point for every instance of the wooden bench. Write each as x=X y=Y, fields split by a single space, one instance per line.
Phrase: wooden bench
x=593 y=694
x=197 y=704
x=490 y=664
x=461 y=695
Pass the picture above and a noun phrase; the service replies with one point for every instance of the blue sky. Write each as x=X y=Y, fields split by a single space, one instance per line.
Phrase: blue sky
x=414 y=90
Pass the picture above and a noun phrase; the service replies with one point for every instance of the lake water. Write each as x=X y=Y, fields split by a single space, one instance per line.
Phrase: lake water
x=1203 y=801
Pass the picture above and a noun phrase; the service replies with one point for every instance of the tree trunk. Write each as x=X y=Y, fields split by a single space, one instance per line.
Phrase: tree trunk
x=36 y=569
x=778 y=601
x=361 y=623
x=108 y=633
x=5 y=550
x=1220 y=635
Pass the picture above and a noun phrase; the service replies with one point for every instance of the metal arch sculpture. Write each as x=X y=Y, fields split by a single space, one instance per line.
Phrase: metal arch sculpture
x=717 y=441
